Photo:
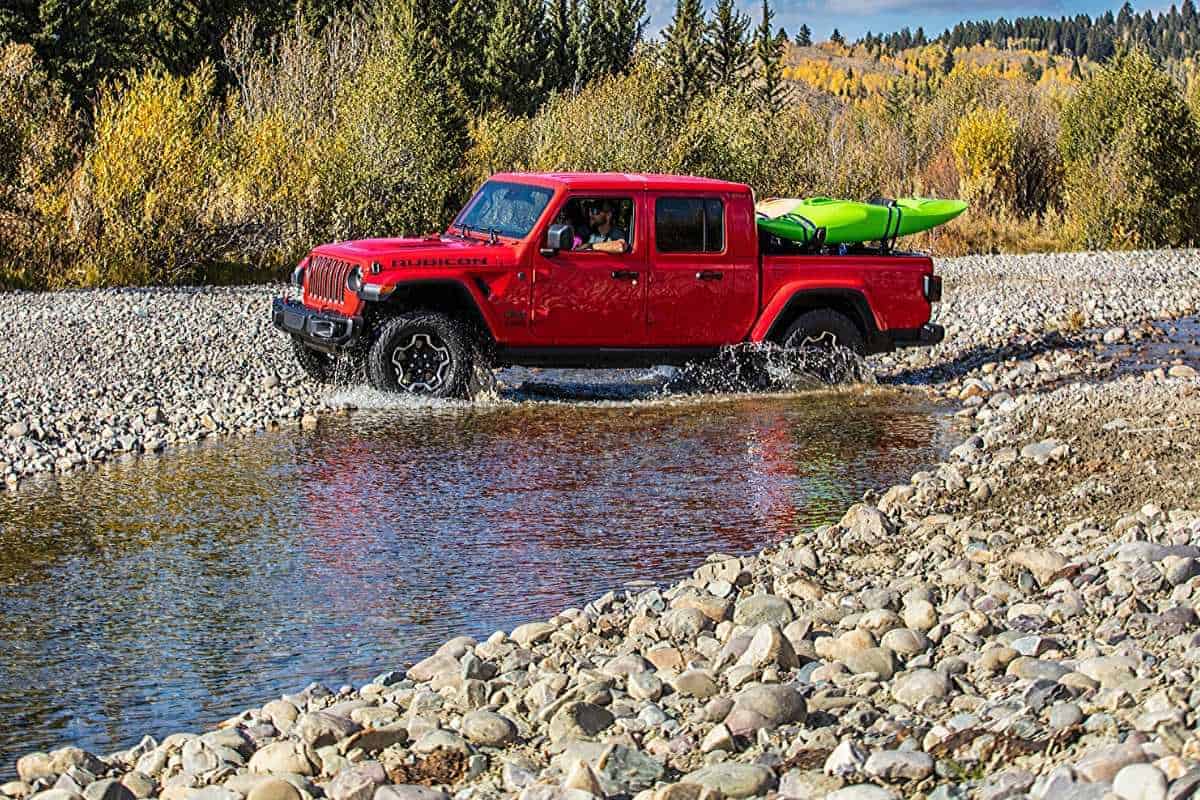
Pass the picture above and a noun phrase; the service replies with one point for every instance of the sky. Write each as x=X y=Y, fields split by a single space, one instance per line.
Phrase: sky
x=855 y=17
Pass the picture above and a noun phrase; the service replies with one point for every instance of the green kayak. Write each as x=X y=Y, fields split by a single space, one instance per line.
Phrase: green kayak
x=850 y=222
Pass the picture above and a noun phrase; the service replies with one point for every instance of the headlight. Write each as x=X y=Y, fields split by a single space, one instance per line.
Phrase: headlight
x=354 y=280
x=298 y=274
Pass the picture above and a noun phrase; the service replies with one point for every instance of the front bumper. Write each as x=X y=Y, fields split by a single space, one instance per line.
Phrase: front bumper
x=320 y=330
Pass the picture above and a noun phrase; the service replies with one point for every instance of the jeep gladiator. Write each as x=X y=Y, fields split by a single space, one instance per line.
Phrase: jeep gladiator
x=669 y=270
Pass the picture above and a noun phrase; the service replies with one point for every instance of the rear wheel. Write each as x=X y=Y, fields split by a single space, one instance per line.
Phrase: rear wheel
x=321 y=367
x=422 y=353
x=826 y=344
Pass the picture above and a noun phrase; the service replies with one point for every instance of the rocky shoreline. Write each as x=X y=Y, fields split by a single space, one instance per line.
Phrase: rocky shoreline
x=1019 y=620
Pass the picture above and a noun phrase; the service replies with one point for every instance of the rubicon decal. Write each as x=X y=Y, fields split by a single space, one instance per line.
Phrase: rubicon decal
x=463 y=261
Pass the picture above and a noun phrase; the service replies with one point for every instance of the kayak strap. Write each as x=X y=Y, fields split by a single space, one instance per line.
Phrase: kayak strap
x=816 y=235
x=891 y=231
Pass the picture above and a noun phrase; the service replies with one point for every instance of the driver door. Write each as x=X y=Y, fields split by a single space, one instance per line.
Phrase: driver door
x=588 y=298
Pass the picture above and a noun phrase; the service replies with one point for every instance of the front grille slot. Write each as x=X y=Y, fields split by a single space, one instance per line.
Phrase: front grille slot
x=327 y=278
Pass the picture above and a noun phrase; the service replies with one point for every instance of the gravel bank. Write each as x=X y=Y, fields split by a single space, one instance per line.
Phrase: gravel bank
x=1018 y=621
x=90 y=375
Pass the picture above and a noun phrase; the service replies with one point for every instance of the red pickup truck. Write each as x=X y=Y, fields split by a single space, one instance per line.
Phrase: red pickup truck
x=593 y=270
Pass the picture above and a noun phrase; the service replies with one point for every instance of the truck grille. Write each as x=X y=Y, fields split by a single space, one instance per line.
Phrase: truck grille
x=327 y=278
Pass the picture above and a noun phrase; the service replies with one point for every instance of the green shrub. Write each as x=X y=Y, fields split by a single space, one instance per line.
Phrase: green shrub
x=1131 y=152
x=37 y=151
x=621 y=123
x=396 y=153
x=141 y=200
x=336 y=136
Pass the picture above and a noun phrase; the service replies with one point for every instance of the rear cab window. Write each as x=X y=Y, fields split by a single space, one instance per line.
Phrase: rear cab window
x=689 y=225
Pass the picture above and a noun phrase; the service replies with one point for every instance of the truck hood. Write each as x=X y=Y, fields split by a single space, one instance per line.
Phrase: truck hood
x=433 y=251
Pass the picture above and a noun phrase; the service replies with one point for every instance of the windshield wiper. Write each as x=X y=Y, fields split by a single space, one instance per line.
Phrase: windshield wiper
x=465 y=233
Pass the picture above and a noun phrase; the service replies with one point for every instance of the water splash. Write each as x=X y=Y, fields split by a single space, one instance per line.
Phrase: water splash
x=757 y=367
x=749 y=368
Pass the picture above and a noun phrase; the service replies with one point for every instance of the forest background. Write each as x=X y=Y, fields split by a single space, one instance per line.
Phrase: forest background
x=154 y=142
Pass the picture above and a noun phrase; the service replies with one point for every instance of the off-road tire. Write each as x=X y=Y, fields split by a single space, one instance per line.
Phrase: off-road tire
x=439 y=351
x=482 y=382
x=825 y=331
x=321 y=367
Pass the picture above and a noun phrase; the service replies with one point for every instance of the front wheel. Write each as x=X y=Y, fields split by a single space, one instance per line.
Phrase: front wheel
x=826 y=344
x=421 y=353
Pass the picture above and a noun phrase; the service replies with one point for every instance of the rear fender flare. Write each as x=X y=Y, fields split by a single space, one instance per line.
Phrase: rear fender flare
x=788 y=305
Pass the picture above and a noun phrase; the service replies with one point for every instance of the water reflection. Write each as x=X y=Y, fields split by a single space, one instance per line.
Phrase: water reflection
x=164 y=594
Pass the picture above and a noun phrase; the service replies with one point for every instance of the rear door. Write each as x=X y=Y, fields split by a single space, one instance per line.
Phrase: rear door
x=695 y=272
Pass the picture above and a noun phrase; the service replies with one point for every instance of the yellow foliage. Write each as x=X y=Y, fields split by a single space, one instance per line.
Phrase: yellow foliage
x=37 y=152
x=139 y=202
x=983 y=147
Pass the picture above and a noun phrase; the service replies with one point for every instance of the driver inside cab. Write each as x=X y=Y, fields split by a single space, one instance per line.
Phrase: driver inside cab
x=605 y=236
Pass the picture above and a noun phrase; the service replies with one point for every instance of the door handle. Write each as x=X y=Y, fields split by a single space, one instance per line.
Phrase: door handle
x=709 y=275
x=624 y=275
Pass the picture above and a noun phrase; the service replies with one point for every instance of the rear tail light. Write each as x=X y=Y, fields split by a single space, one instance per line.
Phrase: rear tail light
x=933 y=288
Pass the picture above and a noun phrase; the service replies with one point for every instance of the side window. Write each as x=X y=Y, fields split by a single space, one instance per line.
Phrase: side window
x=600 y=223
x=689 y=225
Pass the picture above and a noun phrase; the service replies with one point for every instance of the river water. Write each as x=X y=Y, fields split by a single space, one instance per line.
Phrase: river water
x=167 y=593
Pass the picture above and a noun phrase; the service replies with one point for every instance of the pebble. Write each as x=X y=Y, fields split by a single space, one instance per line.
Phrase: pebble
x=899 y=765
x=861 y=791
x=273 y=789
x=1140 y=782
x=920 y=685
x=733 y=780
x=488 y=729
x=1065 y=715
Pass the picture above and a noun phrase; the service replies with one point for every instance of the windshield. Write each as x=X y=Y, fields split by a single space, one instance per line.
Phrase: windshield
x=510 y=209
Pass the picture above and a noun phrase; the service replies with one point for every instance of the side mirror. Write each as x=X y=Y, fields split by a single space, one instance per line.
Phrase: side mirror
x=559 y=237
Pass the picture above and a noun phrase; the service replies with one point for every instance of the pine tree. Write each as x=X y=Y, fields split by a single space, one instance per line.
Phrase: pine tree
x=684 y=55
x=562 y=34
x=836 y=37
x=729 y=50
x=772 y=92
x=514 y=55
x=804 y=37
x=948 y=62
x=609 y=31
x=1031 y=71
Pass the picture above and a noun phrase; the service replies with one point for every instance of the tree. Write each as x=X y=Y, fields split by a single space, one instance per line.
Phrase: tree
x=1131 y=156
x=804 y=36
x=948 y=62
x=86 y=44
x=729 y=50
x=562 y=35
x=684 y=55
x=1031 y=70
x=836 y=37
x=772 y=92
x=514 y=56
x=609 y=30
